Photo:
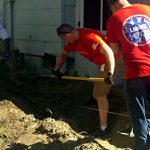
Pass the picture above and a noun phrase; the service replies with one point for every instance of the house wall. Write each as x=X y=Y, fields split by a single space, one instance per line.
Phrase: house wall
x=35 y=26
x=1 y=8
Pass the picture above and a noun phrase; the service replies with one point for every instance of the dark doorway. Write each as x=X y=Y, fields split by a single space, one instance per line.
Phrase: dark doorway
x=92 y=14
x=106 y=14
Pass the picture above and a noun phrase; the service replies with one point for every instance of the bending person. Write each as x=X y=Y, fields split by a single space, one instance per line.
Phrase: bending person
x=92 y=45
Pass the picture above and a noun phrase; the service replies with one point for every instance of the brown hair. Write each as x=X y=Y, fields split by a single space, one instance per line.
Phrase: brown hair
x=64 y=29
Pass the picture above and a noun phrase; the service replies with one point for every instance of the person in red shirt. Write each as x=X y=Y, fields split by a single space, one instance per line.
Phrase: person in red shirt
x=90 y=44
x=128 y=30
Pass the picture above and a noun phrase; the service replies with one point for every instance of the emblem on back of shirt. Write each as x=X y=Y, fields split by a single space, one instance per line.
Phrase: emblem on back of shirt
x=136 y=30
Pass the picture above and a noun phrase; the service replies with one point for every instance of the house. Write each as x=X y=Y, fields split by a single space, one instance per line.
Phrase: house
x=32 y=25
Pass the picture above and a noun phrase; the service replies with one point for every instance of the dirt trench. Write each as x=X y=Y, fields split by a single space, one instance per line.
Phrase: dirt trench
x=43 y=114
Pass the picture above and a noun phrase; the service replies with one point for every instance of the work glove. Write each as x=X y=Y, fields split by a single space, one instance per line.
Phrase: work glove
x=58 y=74
x=109 y=79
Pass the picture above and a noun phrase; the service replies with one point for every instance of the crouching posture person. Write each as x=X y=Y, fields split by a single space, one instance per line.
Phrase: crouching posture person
x=90 y=44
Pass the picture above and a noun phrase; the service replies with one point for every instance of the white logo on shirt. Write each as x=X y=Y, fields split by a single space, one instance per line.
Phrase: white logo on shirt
x=83 y=53
x=95 y=46
x=136 y=30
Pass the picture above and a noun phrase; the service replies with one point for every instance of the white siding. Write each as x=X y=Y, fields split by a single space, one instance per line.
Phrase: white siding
x=35 y=25
x=1 y=8
x=69 y=11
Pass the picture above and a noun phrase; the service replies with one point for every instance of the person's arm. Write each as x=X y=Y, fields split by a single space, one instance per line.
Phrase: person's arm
x=116 y=49
x=109 y=55
x=60 y=60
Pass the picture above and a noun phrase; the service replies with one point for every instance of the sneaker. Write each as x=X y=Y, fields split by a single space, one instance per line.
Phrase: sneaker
x=127 y=131
x=101 y=133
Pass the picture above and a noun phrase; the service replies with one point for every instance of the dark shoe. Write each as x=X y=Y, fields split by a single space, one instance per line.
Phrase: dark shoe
x=127 y=131
x=102 y=133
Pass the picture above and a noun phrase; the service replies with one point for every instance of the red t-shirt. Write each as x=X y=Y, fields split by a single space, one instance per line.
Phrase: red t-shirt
x=130 y=27
x=88 y=45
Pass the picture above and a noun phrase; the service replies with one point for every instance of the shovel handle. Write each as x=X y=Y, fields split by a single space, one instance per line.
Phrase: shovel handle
x=80 y=78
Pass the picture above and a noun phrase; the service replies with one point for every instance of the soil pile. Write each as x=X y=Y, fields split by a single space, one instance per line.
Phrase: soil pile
x=42 y=114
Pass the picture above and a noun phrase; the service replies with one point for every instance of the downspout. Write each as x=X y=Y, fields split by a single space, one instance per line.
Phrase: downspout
x=101 y=19
x=11 y=3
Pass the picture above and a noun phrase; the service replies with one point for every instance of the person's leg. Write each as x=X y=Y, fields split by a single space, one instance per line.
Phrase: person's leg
x=103 y=109
x=100 y=92
x=147 y=83
x=136 y=97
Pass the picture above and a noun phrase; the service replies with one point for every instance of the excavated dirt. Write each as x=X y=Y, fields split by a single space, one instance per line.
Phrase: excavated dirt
x=43 y=114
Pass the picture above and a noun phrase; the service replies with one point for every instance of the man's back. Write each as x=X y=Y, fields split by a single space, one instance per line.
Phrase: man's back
x=131 y=30
x=88 y=45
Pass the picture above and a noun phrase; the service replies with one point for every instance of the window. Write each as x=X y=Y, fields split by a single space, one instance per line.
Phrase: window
x=49 y=61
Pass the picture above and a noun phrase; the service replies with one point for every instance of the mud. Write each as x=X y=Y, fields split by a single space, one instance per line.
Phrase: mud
x=43 y=114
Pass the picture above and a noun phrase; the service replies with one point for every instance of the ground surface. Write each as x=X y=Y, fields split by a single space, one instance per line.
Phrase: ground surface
x=42 y=114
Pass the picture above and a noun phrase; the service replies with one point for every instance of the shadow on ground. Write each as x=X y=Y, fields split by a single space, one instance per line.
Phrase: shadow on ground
x=45 y=97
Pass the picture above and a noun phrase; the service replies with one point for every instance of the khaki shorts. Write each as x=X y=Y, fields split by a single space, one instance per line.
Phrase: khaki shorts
x=101 y=88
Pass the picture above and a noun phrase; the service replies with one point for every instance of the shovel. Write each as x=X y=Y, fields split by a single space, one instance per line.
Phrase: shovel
x=76 y=78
